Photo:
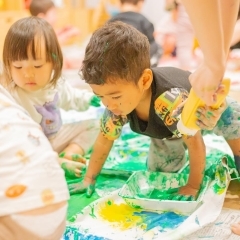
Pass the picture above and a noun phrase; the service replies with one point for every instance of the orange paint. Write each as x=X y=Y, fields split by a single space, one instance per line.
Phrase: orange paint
x=15 y=191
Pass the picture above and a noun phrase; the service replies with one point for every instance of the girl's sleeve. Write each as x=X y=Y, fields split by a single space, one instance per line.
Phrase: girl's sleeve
x=73 y=98
x=111 y=125
x=168 y=103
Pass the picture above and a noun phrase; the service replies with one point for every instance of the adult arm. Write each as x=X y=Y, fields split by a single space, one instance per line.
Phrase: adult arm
x=213 y=22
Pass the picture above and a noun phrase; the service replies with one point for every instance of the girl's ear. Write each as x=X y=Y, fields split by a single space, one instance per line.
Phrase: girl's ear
x=146 y=79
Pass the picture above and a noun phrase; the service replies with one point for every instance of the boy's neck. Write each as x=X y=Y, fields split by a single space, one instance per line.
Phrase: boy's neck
x=126 y=7
x=143 y=108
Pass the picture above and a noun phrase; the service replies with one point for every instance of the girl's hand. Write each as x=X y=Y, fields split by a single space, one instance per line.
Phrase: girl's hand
x=73 y=169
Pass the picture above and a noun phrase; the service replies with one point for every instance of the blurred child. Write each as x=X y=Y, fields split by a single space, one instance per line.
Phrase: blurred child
x=32 y=61
x=130 y=14
x=117 y=68
x=47 y=10
x=33 y=190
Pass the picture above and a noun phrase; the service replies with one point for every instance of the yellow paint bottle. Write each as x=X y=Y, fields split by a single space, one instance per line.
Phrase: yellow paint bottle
x=187 y=123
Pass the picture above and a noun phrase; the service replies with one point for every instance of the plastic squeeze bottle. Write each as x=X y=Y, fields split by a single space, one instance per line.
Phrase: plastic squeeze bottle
x=187 y=123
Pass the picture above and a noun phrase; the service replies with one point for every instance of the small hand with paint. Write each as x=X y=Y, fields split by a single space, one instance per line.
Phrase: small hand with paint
x=175 y=194
x=81 y=187
x=188 y=192
x=72 y=169
x=95 y=101
x=208 y=117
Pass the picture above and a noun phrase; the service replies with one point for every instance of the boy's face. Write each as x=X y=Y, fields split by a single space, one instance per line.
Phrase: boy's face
x=120 y=98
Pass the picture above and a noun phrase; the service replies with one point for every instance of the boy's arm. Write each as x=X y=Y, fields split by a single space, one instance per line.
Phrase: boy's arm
x=197 y=160
x=99 y=155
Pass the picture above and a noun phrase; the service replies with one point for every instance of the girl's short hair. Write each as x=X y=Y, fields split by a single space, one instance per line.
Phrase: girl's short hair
x=25 y=35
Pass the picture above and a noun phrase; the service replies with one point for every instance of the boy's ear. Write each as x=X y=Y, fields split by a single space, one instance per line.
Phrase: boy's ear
x=146 y=79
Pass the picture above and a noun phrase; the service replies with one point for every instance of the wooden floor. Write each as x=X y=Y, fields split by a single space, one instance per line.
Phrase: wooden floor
x=232 y=199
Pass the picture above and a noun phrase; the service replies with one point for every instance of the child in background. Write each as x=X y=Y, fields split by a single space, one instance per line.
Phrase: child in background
x=32 y=65
x=33 y=190
x=47 y=10
x=117 y=68
x=130 y=14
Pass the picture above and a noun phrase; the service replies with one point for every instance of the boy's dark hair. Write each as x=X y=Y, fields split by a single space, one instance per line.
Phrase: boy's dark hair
x=40 y=6
x=25 y=35
x=115 y=51
x=134 y=2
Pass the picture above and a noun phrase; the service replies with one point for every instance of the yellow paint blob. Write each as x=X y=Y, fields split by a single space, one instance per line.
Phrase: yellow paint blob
x=122 y=215
x=22 y=157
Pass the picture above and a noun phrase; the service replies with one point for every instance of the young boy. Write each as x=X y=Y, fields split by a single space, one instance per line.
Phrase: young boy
x=117 y=68
x=130 y=14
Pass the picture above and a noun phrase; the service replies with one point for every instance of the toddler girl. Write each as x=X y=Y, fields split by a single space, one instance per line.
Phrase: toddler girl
x=32 y=66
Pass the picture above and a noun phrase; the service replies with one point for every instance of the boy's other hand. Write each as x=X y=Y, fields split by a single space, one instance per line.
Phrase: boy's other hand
x=208 y=117
x=188 y=191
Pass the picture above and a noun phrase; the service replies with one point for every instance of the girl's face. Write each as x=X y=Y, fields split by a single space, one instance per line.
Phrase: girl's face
x=32 y=74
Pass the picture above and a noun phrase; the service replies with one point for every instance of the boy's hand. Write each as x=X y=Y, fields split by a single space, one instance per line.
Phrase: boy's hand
x=208 y=117
x=189 y=192
x=82 y=187
x=95 y=101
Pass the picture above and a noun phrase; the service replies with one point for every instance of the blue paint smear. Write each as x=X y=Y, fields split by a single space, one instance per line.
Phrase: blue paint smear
x=166 y=220
x=227 y=117
x=197 y=221
x=74 y=234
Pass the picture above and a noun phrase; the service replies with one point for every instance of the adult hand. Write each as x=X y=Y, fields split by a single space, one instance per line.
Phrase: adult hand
x=206 y=82
x=208 y=117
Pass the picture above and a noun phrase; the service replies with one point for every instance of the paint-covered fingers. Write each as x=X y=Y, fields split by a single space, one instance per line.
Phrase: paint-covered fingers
x=208 y=117
x=235 y=227
x=189 y=192
x=73 y=169
x=75 y=188
x=73 y=156
x=82 y=187
x=78 y=158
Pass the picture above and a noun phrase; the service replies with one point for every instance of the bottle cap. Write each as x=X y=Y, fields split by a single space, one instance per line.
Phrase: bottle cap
x=184 y=130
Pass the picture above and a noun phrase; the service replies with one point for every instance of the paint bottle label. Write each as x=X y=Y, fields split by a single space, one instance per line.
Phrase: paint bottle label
x=187 y=123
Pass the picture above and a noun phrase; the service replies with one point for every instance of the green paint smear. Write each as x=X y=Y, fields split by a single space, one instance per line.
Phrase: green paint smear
x=129 y=153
